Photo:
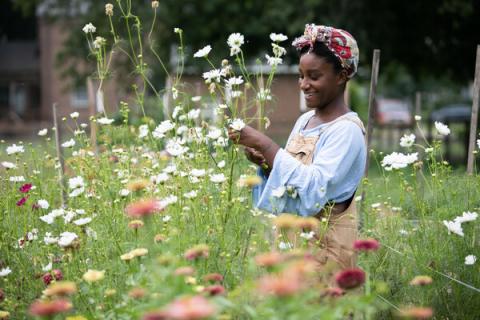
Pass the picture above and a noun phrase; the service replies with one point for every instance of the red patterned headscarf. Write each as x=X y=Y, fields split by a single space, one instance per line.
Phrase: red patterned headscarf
x=338 y=41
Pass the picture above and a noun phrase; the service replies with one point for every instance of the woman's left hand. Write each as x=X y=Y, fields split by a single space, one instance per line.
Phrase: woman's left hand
x=248 y=137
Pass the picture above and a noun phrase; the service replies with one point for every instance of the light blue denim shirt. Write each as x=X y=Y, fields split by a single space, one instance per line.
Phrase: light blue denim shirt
x=337 y=168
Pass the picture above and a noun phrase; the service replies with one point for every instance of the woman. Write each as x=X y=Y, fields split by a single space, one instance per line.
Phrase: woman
x=324 y=160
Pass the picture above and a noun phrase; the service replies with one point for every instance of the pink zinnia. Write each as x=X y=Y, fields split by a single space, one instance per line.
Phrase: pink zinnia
x=155 y=315
x=366 y=245
x=25 y=188
x=49 y=308
x=22 y=201
x=190 y=308
x=57 y=274
x=144 y=208
x=214 y=277
x=350 y=278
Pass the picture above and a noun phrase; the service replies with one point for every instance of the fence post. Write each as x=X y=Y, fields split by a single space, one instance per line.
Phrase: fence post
x=473 y=121
x=61 y=167
x=371 y=113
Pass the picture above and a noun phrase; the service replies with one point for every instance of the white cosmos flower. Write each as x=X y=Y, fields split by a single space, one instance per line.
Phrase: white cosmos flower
x=43 y=132
x=50 y=239
x=278 y=37
x=418 y=118
x=48 y=219
x=76 y=182
x=163 y=128
x=8 y=165
x=470 y=259
x=143 y=131
x=82 y=221
x=279 y=192
x=168 y=200
x=66 y=239
x=42 y=203
x=466 y=217
x=235 y=41
x=13 y=149
x=124 y=192
x=89 y=28
x=197 y=172
x=454 y=227
x=196 y=98
x=284 y=245
x=176 y=111
x=203 y=52
x=233 y=81
x=307 y=235
x=174 y=147
x=273 y=61
x=160 y=178
x=218 y=178
x=237 y=124
x=407 y=140
x=398 y=160
x=48 y=267
x=76 y=192
x=74 y=115
x=17 y=179
x=193 y=114
x=105 y=120
x=166 y=218
x=214 y=133
x=190 y=195
x=278 y=51
x=170 y=169
x=442 y=128
x=221 y=164
x=69 y=143
x=264 y=95
x=5 y=272
x=213 y=75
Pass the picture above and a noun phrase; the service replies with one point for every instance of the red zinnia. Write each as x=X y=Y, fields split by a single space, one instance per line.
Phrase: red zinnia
x=22 y=201
x=350 y=278
x=49 y=308
x=57 y=273
x=366 y=245
x=214 y=290
x=47 y=278
x=25 y=188
x=144 y=208
x=214 y=277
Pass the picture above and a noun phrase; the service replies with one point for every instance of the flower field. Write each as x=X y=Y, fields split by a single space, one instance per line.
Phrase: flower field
x=154 y=219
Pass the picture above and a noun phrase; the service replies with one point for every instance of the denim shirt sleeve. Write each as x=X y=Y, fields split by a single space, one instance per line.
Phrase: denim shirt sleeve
x=336 y=171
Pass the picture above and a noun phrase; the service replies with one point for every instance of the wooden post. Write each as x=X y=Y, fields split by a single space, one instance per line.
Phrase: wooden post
x=61 y=168
x=473 y=121
x=91 y=113
x=371 y=112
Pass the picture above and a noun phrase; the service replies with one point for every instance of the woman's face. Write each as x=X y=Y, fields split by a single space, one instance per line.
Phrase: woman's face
x=319 y=81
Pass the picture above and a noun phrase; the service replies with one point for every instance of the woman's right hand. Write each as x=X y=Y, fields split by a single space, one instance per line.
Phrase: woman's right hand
x=254 y=156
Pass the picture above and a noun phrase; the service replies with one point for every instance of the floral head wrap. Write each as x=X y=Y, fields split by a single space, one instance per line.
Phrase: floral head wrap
x=338 y=41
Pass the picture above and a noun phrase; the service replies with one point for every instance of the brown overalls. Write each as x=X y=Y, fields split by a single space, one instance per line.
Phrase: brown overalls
x=337 y=242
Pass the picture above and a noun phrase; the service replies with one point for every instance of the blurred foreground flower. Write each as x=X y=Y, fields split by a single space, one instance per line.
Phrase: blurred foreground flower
x=421 y=281
x=190 y=308
x=60 y=288
x=416 y=313
x=366 y=245
x=93 y=275
x=249 y=181
x=144 y=208
x=49 y=308
x=350 y=278
x=198 y=251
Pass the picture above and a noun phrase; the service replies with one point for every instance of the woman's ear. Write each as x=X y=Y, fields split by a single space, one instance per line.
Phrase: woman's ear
x=342 y=77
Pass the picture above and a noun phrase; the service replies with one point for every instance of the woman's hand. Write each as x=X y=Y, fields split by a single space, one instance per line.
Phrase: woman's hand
x=254 y=156
x=247 y=137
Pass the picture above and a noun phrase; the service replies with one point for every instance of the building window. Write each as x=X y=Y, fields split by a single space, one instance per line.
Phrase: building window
x=79 y=98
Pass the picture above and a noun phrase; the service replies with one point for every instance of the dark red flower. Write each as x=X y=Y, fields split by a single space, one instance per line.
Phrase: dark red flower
x=25 y=188
x=214 y=290
x=350 y=278
x=47 y=278
x=2 y=295
x=366 y=245
x=57 y=274
x=49 y=308
x=22 y=201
